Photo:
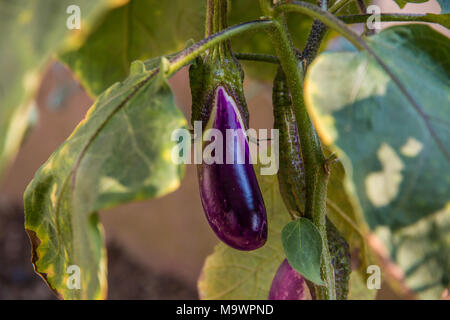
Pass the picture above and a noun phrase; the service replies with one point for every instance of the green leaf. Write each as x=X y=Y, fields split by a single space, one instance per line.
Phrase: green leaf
x=302 y=244
x=30 y=31
x=394 y=153
x=445 y=6
x=358 y=288
x=427 y=272
x=350 y=8
x=402 y=3
x=140 y=29
x=120 y=152
x=235 y=274
x=259 y=42
x=346 y=215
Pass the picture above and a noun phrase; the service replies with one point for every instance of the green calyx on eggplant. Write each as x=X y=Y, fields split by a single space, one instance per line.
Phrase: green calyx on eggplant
x=229 y=192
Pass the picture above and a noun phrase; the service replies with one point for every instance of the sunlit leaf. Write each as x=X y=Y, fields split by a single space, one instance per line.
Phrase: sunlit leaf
x=120 y=152
x=30 y=31
x=395 y=154
x=140 y=29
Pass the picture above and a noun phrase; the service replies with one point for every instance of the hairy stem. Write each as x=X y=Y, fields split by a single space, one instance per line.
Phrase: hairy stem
x=362 y=18
x=195 y=50
x=325 y=17
x=316 y=35
x=257 y=57
x=314 y=160
x=318 y=31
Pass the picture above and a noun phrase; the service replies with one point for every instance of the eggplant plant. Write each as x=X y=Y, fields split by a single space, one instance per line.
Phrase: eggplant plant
x=362 y=116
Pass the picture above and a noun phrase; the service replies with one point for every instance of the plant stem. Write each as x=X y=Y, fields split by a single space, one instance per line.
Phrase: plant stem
x=257 y=57
x=318 y=31
x=325 y=17
x=195 y=50
x=209 y=18
x=362 y=18
x=314 y=160
x=266 y=7
x=363 y=10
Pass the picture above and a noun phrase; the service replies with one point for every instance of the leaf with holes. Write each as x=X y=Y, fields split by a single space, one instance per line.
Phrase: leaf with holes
x=395 y=152
x=120 y=152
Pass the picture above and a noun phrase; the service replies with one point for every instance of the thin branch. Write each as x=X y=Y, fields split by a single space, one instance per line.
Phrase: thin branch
x=318 y=31
x=316 y=177
x=315 y=37
x=193 y=51
x=257 y=57
x=399 y=17
x=363 y=10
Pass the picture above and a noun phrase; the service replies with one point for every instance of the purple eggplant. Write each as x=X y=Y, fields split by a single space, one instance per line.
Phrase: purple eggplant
x=288 y=284
x=230 y=194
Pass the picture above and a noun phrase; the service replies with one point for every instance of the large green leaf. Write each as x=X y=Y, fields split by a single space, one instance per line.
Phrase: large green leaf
x=140 y=29
x=120 y=152
x=394 y=153
x=30 y=30
x=346 y=215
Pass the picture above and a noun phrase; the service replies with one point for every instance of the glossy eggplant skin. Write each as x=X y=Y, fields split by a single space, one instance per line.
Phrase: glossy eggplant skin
x=288 y=284
x=230 y=194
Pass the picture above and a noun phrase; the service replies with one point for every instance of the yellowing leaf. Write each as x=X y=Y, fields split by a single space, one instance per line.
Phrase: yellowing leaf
x=115 y=155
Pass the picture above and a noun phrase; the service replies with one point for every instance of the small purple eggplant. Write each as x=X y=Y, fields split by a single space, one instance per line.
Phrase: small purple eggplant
x=288 y=284
x=229 y=192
